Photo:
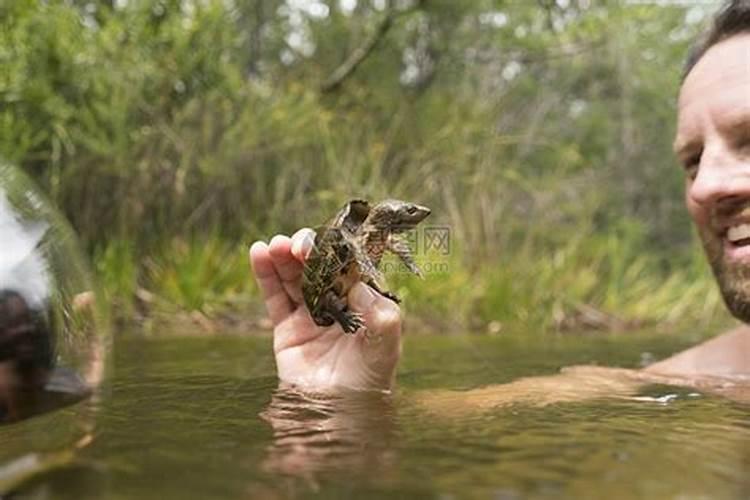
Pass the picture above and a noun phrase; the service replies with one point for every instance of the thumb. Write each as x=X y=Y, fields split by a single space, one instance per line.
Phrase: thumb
x=382 y=316
x=381 y=342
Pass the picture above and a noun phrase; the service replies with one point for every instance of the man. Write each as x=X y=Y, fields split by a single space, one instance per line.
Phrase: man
x=713 y=145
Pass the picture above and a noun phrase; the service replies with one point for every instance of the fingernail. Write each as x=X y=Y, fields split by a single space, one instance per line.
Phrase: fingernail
x=361 y=297
x=257 y=247
x=301 y=246
x=278 y=240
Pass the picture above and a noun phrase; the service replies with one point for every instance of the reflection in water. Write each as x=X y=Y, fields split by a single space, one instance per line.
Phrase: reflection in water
x=315 y=434
x=30 y=465
x=636 y=438
x=172 y=428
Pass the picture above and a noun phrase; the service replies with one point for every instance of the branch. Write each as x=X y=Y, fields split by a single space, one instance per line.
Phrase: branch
x=548 y=7
x=357 y=57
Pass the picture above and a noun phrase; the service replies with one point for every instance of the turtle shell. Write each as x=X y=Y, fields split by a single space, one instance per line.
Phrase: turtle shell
x=330 y=266
x=351 y=216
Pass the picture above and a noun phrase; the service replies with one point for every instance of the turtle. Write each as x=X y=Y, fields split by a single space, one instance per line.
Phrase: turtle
x=349 y=249
x=334 y=265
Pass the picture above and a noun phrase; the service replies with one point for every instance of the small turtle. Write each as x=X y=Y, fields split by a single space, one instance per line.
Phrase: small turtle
x=334 y=265
x=348 y=249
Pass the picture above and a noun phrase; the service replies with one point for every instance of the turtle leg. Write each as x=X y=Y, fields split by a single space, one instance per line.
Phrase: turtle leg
x=401 y=248
x=385 y=293
x=372 y=276
x=350 y=321
x=324 y=319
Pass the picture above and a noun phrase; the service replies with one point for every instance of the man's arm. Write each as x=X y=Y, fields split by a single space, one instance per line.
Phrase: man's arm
x=720 y=366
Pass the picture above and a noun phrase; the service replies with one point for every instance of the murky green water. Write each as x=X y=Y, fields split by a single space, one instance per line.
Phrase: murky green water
x=203 y=418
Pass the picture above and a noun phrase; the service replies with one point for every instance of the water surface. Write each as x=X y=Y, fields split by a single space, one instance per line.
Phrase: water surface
x=205 y=418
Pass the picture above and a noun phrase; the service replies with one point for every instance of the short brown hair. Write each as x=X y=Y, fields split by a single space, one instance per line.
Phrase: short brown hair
x=732 y=18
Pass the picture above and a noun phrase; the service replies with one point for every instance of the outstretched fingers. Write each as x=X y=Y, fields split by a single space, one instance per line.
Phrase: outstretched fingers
x=288 y=268
x=278 y=303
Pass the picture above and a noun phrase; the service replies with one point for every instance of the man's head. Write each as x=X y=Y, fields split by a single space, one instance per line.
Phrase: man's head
x=732 y=19
x=713 y=145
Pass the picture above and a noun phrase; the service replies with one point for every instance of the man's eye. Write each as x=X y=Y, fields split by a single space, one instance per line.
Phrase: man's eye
x=744 y=145
x=691 y=165
x=691 y=171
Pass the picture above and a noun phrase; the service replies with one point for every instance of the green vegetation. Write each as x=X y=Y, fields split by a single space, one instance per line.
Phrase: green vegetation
x=173 y=133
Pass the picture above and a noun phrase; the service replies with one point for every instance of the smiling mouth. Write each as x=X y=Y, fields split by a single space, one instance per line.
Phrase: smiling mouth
x=739 y=235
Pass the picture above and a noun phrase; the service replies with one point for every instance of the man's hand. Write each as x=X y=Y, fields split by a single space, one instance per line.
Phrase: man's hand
x=317 y=357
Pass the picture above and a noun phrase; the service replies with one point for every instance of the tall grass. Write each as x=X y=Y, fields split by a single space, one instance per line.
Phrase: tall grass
x=595 y=281
x=169 y=158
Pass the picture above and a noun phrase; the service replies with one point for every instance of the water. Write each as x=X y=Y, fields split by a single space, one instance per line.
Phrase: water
x=205 y=418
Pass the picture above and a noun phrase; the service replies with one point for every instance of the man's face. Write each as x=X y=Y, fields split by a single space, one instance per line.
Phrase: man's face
x=713 y=145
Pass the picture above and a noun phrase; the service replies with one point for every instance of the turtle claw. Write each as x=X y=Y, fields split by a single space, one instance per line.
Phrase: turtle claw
x=351 y=321
x=385 y=293
x=415 y=269
x=392 y=296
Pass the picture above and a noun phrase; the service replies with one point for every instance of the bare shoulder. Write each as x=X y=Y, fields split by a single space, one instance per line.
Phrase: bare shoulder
x=725 y=355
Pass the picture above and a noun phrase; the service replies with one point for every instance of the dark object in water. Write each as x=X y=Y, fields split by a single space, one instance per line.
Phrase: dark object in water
x=29 y=381
x=52 y=345
x=349 y=249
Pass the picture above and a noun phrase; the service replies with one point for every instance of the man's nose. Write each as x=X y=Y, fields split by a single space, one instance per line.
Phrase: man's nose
x=721 y=176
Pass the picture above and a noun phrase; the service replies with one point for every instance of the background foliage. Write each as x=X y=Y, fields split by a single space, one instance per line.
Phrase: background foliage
x=174 y=132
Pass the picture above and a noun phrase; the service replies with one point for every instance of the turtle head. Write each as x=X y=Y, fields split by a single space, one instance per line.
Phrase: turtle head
x=397 y=216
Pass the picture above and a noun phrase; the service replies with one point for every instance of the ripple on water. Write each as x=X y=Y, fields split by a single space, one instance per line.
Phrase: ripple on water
x=174 y=424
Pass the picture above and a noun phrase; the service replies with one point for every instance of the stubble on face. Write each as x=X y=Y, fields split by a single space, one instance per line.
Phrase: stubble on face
x=713 y=144
x=733 y=279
